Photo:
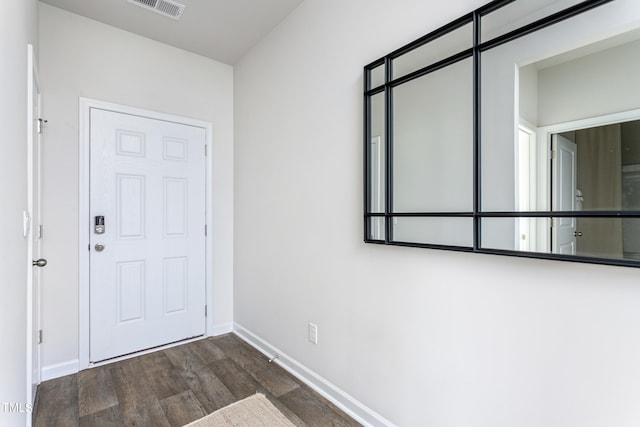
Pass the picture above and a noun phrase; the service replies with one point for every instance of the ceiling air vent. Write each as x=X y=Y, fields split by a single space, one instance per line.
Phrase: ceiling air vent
x=168 y=8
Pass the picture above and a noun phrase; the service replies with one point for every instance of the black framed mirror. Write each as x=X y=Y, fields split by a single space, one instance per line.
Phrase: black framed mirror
x=513 y=130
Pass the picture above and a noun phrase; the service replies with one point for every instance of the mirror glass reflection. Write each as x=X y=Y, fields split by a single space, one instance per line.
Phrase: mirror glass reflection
x=436 y=50
x=578 y=116
x=610 y=238
x=376 y=229
x=377 y=154
x=452 y=231
x=561 y=133
x=376 y=77
x=578 y=112
x=433 y=141
x=520 y=13
x=597 y=168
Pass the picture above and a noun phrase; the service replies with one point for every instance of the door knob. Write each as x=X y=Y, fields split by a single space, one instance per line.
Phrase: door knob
x=39 y=262
x=577 y=233
x=99 y=247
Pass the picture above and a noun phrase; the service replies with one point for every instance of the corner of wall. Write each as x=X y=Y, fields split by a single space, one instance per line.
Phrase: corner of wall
x=329 y=391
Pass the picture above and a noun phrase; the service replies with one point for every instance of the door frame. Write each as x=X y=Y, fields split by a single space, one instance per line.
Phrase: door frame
x=33 y=191
x=545 y=132
x=85 y=105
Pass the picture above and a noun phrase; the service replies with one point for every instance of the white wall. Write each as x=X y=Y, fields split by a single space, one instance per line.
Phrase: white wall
x=18 y=27
x=80 y=57
x=590 y=86
x=423 y=337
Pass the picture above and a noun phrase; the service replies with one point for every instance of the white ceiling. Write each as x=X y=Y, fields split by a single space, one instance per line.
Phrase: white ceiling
x=223 y=30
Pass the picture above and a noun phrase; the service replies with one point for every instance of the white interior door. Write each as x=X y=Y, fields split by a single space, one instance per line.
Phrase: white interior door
x=564 y=194
x=147 y=267
x=33 y=228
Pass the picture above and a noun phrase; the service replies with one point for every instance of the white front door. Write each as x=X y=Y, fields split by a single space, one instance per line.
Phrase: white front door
x=147 y=263
x=564 y=194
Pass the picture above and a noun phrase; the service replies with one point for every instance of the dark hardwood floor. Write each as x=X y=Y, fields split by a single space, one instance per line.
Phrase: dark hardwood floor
x=172 y=387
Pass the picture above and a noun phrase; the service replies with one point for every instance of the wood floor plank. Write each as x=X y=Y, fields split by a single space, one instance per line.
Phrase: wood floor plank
x=167 y=383
x=95 y=390
x=314 y=410
x=130 y=380
x=182 y=408
x=156 y=361
x=57 y=403
x=292 y=416
x=275 y=379
x=269 y=375
x=109 y=417
x=208 y=350
x=162 y=375
x=231 y=346
x=237 y=380
x=208 y=389
x=143 y=412
x=138 y=403
x=184 y=358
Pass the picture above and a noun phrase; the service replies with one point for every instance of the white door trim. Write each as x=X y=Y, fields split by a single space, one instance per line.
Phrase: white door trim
x=33 y=84
x=85 y=104
x=545 y=132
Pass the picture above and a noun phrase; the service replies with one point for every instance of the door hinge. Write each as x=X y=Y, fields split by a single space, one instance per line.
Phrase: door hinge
x=40 y=336
x=205 y=150
x=41 y=123
x=40 y=231
x=205 y=229
x=205 y=311
x=553 y=154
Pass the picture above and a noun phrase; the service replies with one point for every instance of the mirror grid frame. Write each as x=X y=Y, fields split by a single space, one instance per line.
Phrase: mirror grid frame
x=385 y=235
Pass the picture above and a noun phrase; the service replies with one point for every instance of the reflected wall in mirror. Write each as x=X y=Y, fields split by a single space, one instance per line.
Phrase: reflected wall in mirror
x=376 y=152
x=447 y=231
x=433 y=141
x=517 y=14
x=454 y=41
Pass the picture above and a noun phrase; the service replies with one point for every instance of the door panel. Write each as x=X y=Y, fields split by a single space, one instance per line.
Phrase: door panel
x=175 y=207
x=147 y=284
x=130 y=291
x=33 y=228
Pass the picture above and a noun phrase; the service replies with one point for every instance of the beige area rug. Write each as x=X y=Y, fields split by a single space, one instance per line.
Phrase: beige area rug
x=254 y=411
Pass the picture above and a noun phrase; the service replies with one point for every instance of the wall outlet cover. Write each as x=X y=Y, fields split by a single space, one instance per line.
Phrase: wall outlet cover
x=313 y=333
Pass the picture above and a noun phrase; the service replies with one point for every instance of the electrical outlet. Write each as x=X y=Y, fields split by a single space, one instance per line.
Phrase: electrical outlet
x=313 y=333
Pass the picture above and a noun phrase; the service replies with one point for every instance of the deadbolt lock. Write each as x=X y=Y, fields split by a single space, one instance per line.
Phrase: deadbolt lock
x=99 y=224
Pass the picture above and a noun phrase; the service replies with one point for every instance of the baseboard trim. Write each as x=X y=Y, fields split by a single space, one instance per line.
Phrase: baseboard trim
x=73 y=366
x=58 y=370
x=345 y=402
